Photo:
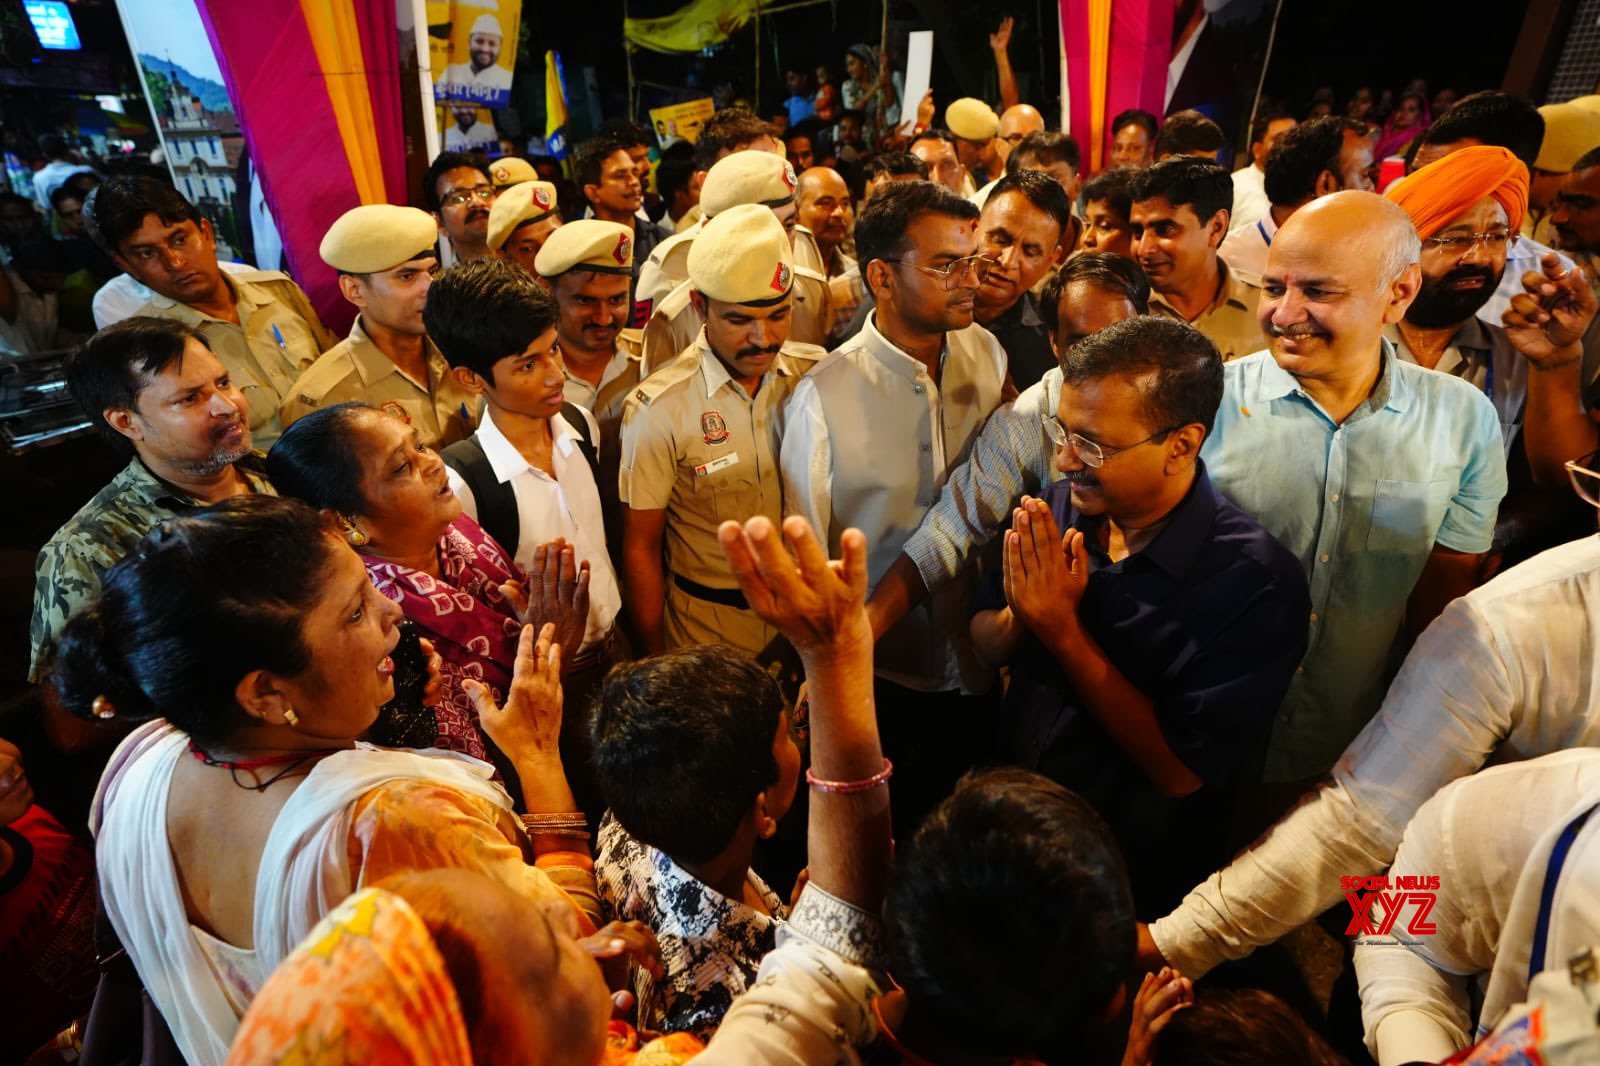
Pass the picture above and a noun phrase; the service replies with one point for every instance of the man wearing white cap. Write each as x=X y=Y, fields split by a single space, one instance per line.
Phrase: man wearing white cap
x=700 y=440
x=522 y=219
x=872 y=434
x=588 y=265
x=482 y=79
x=759 y=178
x=744 y=181
x=386 y=259
x=978 y=144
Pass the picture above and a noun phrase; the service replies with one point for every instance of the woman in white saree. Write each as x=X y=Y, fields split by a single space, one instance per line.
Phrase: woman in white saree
x=246 y=810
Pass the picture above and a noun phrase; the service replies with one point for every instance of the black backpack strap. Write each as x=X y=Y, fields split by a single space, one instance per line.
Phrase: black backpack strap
x=573 y=414
x=497 y=501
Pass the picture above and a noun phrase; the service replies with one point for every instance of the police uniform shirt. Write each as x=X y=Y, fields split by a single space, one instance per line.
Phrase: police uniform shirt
x=697 y=444
x=356 y=369
x=277 y=339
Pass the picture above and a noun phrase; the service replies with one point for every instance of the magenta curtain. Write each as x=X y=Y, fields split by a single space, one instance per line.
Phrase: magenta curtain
x=280 y=93
x=1140 y=48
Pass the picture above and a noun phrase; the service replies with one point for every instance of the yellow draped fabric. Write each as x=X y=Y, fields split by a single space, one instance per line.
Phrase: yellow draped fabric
x=337 y=39
x=1099 y=12
x=692 y=28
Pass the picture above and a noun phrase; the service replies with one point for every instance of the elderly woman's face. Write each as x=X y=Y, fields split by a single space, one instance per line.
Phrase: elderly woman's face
x=403 y=484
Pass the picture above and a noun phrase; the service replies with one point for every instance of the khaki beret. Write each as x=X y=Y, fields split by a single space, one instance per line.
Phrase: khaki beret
x=526 y=201
x=742 y=256
x=748 y=177
x=604 y=247
x=1569 y=132
x=971 y=120
x=510 y=170
x=375 y=237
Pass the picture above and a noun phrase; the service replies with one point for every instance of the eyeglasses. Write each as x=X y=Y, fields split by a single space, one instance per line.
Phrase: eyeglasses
x=953 y=272
x=1585 y=480
x=1461 y=244
x=1093 y=454
x=482 y=193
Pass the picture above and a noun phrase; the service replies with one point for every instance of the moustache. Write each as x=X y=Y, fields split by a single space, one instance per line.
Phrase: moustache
x=745 y=353
x=222 y=430
x=1300 y=330
x=1081 y=478
x=476 y=213
x=1469 y=272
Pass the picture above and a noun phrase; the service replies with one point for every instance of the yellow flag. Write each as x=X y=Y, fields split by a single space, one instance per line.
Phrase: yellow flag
x=693 y=28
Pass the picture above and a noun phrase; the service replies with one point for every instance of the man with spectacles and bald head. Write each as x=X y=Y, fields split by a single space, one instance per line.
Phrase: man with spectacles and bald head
x=873 y=432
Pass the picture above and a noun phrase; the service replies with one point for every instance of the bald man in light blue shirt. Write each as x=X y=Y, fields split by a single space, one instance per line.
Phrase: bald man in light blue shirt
x=1384 y=478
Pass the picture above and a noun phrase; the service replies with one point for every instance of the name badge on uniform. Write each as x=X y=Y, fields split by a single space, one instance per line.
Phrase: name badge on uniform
x=720 y=463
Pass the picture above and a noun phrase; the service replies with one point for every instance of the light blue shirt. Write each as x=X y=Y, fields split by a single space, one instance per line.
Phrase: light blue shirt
x=1361 y=505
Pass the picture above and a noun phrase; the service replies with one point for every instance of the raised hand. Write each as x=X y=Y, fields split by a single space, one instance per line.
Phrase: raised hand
x=434 y=689
x=557 y=593
x=1000 y=39
x=1547 y=320
x=1160 y=996
x=528 y=724
x=816 y=603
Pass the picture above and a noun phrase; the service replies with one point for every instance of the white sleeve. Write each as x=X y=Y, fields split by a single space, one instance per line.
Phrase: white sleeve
x=812 y=998
x=463 y=491
x=805 y=460
x=1447 y=711
x=1415 y=1003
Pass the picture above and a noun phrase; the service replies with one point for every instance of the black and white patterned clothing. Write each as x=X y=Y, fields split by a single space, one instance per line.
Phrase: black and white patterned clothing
x=711 y=946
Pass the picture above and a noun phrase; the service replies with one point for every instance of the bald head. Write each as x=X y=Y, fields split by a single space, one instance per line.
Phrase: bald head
x=1019 y=121
x=1362 y=229
x=1338 y=271
x=825 y=207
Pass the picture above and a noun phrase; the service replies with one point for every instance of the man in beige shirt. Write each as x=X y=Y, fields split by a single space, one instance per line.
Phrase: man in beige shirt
x=700 y=440
x=386 y=261
x=259 y=323
x=1178 y=220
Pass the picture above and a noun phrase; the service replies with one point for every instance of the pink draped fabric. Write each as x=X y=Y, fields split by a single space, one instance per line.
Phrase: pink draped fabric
x=280 y=94
x=1140 y=49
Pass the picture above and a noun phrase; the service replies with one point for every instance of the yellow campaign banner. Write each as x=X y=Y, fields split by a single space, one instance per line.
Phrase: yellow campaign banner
x=681 y=122
x=692 y=28
x=472 y=47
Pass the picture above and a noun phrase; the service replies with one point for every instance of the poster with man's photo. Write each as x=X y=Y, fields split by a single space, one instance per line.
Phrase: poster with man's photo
x=472 y=45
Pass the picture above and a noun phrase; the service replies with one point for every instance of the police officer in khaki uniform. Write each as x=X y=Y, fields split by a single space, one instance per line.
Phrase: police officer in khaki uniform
x=588 y=265
x=511 y=171
x=386 y=259
x=741 y=178
x=522 y=219
x=700 y=439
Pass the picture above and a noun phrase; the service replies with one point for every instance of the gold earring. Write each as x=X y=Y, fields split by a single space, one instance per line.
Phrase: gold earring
x=290 y=717
x=357 y=538
x=103 y=708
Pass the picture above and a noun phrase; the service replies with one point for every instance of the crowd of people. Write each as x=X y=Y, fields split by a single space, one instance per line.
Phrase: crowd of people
x=886 y=595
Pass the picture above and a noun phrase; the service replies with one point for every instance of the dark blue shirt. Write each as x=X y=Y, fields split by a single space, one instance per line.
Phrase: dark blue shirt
x=1209 y=621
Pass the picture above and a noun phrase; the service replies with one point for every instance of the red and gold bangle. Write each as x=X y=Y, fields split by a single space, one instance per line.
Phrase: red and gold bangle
x=866 y=784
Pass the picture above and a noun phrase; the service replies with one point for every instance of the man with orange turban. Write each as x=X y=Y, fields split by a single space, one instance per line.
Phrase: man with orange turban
x=1467 y=208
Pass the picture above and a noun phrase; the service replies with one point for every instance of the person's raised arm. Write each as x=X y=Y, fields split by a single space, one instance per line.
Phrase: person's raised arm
x=1547 y=324
x=528 y=726
x=820 y=607
x=1000 y=45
